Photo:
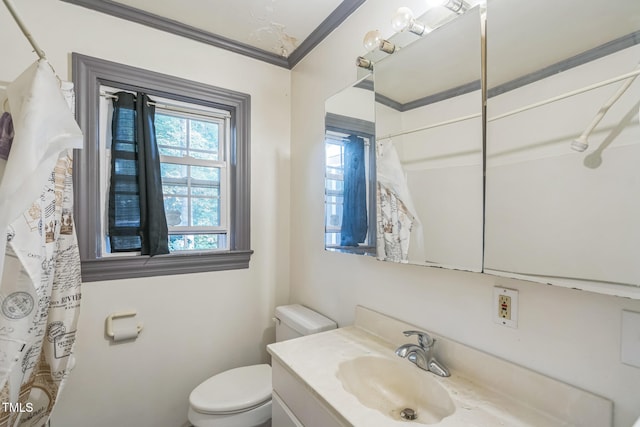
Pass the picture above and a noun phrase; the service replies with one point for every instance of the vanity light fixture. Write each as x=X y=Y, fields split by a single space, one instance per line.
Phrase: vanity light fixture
x=403 y=20
x=363 y=62
x=456 y=6
x=373 y=40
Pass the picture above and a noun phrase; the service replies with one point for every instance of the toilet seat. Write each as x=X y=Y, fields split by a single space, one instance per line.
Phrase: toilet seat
x=236 y=390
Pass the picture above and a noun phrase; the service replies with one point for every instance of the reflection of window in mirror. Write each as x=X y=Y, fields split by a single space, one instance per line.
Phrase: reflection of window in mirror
x=349 y=160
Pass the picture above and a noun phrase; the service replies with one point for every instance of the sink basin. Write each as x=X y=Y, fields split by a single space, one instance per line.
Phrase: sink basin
x=391 y=386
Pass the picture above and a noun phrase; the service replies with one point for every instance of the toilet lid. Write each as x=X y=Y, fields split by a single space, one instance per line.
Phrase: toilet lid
x=233 y=390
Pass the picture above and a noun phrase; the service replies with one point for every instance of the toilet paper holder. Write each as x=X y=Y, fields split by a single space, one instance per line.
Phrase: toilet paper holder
x=110 y=318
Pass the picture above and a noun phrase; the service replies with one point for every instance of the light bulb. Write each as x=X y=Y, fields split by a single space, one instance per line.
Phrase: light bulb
x=372 y=40
x=402 y=19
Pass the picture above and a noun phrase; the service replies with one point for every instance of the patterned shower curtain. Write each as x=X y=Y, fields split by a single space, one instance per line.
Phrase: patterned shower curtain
x=394 y=226
x=396 y=214
x=40 y=263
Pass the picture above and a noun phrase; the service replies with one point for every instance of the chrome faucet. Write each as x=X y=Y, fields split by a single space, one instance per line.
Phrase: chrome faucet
x=421 y=355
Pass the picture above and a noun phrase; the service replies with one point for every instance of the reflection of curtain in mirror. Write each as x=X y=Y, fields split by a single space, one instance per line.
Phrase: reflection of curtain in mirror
x=354 y=211
x=394 y=226
x=396 y=214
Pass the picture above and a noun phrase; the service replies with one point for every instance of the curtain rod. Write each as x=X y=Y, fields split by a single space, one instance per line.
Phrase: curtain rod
x=632 y=74
x=176 y=108
x=435 y=125
x=24 y=29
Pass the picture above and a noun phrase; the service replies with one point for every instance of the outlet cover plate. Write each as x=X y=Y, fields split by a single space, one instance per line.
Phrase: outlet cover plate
x=513 y=299
x=630 y=353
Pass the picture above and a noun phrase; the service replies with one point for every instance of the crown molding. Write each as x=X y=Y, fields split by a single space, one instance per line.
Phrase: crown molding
x=109 y=7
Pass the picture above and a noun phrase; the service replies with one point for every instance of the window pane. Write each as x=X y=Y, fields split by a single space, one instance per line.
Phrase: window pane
x=200 y=187
x=171 y=130
x=334 y=186
x=205 y=191
x=175 y=190
x=182 y=137
x=182 y=242
x=209 y=241
x=205 y=173
x=204 y=136
x=334 y=153
x=170 y=170
x=178 y=243
x=176 y=210
x=205 y=212
x=166 y=151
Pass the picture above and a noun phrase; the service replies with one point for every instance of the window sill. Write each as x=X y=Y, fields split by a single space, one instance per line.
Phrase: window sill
x=114 y=268
x=358 y=250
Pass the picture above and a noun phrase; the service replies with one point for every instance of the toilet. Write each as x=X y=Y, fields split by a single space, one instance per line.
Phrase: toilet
x=241 y=397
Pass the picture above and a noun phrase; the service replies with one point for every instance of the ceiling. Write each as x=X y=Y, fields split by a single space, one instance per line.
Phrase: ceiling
x=280 y=32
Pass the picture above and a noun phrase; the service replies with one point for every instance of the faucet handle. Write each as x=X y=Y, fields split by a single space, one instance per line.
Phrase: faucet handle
x=424 y=339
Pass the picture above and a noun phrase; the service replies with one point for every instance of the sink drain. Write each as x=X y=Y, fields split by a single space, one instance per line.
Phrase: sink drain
x=408 y=414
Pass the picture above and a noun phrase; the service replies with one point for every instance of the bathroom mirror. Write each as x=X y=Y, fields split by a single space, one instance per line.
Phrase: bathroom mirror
x=350 y=169
x=554 y=213
x=430 y=148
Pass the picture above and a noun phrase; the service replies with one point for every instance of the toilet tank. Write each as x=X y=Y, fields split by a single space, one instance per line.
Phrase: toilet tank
x=293 y=321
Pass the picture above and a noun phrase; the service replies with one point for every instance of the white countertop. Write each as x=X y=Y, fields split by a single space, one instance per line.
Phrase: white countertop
x=315 y=359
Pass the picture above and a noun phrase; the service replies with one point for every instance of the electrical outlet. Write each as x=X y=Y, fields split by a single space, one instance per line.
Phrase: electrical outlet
x=505 y=306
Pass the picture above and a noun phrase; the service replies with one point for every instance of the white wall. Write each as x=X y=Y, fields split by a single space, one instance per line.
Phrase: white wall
x=567 y=334
x=194 y=325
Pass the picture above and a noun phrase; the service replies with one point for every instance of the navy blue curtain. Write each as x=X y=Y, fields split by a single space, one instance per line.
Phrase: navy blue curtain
x=137 y=220
x=354 y=227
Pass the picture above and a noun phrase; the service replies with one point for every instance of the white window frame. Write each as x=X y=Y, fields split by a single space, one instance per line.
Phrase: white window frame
x=188 y=111
x=334 y=138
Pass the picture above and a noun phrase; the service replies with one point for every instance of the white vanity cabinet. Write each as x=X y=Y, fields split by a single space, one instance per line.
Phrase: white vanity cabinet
x=296 y=405
x=281 y=415
x=312 y=388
